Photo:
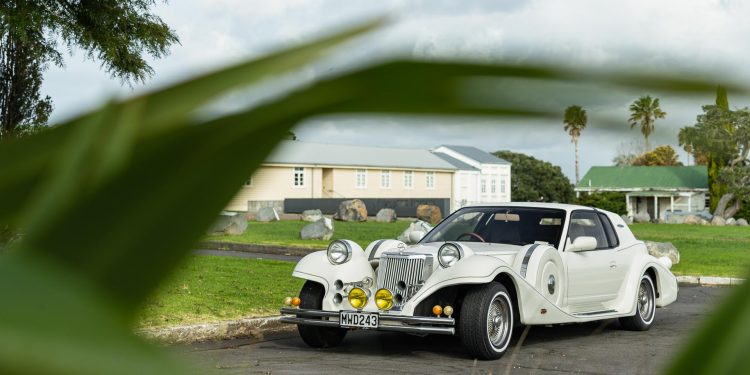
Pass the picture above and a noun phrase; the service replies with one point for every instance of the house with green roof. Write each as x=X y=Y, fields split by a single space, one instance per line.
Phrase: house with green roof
x=652 y=190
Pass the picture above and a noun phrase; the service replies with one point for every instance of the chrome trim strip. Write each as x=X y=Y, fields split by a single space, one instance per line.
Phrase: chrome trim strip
x=418 y=320
x=526 y=259
x=411 y=324
x=309 y=322
x=310 y=313
x=590 y=313
x=375 y=249
x=407 y=329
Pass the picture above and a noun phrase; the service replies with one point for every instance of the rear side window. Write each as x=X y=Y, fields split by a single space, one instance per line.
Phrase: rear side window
x=609 y=230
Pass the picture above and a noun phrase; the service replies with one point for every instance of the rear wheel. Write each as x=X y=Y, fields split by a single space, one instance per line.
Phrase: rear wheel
x=645 y=307
x=486 y=321
x=311 y=297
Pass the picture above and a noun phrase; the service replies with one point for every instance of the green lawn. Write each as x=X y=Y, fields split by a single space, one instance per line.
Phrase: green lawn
x=211 y=288
x=286 y=233
x=704 y=250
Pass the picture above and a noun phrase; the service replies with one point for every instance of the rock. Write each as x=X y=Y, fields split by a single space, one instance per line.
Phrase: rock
x=742 y=222
x=414 y=232
x=267 y=214
x=312 y=215
x=351 y=210
x=718 y=221
x=627 y=219
x=642 y=217
x=663 y=249
x=229 y=223
x=705 y=214
x=692 y=220
x=319 y=230
x=674 y=218
x=731 y=221
x=386 y=215
x=429 y=213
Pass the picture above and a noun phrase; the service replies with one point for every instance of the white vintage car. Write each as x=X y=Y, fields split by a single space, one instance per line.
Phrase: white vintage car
x=481 y=272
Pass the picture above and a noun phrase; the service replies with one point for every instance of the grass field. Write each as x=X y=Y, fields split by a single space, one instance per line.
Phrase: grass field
x=211 y=288
x=286 y=233
x=704 y=250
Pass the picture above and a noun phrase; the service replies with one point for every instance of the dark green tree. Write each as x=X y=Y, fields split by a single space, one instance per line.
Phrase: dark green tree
x=536 y=180
x=575 y=121
x=643 y=113
x=608 y=200
x=118 y=33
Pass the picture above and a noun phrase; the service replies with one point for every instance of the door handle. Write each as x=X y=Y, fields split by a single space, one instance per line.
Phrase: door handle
x=612 y=265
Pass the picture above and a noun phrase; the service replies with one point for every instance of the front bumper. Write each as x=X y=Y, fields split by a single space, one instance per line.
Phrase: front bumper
x=395 y=323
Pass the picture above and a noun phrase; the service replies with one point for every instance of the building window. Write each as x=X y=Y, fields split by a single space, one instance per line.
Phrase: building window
x=484 y=186
x=385 y=179
x=502 y=186
x=492 y=186
x=249 y=182
x=409 y=179
x=429 y=181
x=299 y=176
x=361 y=178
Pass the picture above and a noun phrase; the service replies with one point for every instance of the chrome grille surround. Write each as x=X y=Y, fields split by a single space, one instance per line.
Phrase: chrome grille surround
x=403 y=274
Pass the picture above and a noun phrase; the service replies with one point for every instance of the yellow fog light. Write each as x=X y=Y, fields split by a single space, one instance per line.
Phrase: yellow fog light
x=384 y=299
x=357 y=298
x=288 y=301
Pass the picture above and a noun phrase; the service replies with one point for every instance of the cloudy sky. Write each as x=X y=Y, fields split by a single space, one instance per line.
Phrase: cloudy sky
x=675 y=35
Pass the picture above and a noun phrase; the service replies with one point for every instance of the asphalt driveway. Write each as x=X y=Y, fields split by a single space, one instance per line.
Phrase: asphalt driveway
x=592 y=348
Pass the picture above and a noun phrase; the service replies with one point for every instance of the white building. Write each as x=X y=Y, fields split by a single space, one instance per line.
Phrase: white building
x=480 y=177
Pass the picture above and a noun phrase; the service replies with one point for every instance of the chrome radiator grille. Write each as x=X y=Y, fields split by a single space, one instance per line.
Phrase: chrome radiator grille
x=403 y=274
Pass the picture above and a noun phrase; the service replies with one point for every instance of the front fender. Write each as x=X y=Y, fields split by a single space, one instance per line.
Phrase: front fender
x=316 y=267
x=481 y=269
x=665 y=283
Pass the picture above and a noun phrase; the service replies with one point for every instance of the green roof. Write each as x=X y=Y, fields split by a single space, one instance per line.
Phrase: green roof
x=645 y=178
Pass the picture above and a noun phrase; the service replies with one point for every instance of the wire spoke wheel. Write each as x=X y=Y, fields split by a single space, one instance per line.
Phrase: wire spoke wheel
x=498 y=321
x=646 y=300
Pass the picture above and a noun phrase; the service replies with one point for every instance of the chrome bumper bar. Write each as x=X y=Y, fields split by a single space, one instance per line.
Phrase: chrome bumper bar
x=395 y=323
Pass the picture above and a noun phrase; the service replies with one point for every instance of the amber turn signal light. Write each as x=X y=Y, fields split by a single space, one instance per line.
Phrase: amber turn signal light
x=296 y=301
x=437 y=310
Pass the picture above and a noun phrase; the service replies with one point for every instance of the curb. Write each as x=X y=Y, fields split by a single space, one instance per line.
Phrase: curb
x=255 y=328
x=709 y=280
x=253 y=248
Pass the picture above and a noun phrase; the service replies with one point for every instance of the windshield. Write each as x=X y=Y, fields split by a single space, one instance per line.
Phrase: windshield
x=506 y=225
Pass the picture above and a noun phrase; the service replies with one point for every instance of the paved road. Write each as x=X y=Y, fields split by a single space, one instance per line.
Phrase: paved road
x=592 y=348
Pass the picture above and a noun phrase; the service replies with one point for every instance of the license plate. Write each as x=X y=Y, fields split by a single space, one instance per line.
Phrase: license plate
x=358 y=319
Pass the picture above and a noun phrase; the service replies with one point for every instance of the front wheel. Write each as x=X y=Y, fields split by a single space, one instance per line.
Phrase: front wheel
x=645 y=307
x=486 y=321
x=311 y=297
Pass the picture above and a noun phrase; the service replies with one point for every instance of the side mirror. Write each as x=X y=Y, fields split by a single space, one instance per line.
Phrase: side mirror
x=416 y=236
x=583 y=243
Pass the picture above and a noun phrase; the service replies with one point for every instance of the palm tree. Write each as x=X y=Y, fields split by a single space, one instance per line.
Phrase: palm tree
x=644 y=111
x=575 y=121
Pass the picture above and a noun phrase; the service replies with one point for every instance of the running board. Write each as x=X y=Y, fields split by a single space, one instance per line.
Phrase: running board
x=591 y=313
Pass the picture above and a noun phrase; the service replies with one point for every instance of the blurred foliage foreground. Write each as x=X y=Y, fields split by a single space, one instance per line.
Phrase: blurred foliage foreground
x=101 y=199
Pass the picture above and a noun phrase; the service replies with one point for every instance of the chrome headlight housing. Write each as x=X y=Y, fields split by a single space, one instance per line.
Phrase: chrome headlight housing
x=339 y=252
x=449 y=254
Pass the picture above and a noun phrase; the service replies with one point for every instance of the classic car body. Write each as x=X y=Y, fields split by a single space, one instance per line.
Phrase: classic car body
x=482 y=271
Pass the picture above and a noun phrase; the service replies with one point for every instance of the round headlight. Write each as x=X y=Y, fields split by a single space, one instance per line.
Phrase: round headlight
x=448 y=255
x=357 y=298
x=384 y=299
x=339 y=252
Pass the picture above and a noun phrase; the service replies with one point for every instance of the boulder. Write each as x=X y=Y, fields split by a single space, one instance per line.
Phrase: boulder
x=267 y=214
x=663 y=249
x=705 y=214
x=429 y=213
x=692 y=220
x=742 y=222
x=351 y=210
x=674 y=218
x=731 y=221
x=642 y=217
x=229 y=223
x=718 y=221
x=414 y=232
x=318 y=230
x=386 y=215
x=312 y=215
x=627 y=219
